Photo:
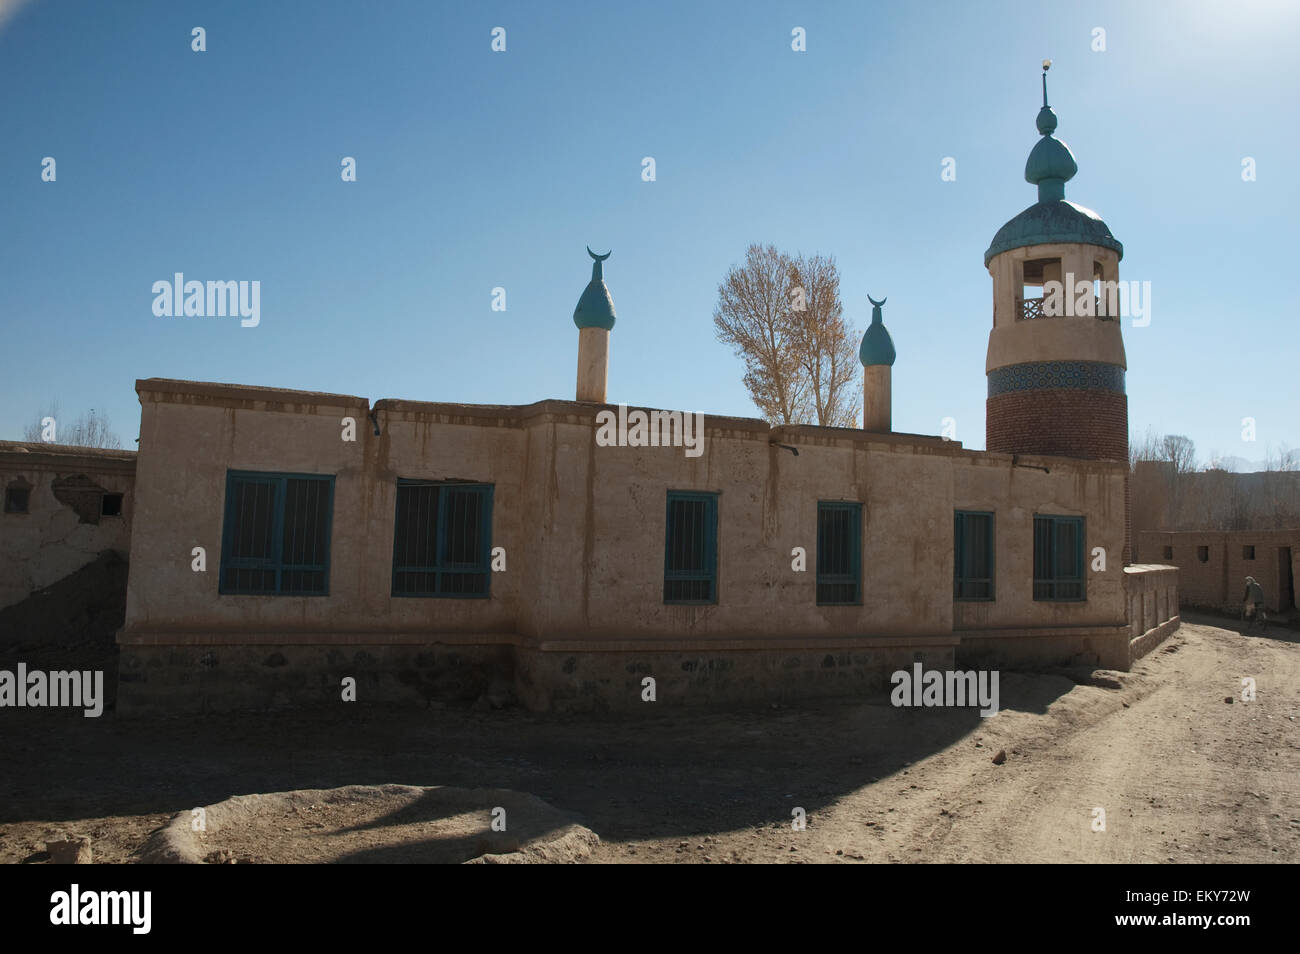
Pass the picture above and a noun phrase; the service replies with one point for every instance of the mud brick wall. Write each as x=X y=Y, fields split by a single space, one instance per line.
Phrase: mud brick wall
x=1219 y=581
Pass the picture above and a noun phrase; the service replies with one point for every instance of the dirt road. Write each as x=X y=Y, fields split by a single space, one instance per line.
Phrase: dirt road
x=1181 y=774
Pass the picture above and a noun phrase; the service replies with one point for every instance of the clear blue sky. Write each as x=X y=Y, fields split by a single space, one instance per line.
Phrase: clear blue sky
x=479 y=169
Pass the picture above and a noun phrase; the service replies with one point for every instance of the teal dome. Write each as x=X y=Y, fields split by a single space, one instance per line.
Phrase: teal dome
x=877 y=346
x=1045 y=223
x=1050 y=159
x=1051 y=220
x=1046 y=119
x=595 y=307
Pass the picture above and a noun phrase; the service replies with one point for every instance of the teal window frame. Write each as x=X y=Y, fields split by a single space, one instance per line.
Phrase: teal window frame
x=691 y=548
x=843 y=553
x=444 y=566
x=1052 y=555
x=963 y=583
x=276 y=485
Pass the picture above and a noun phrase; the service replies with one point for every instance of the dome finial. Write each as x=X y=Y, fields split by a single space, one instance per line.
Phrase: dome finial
x=595 y=307
x=877 y=346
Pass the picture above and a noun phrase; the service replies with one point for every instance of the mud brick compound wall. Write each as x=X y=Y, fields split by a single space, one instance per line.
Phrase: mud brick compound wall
x=1213 y=565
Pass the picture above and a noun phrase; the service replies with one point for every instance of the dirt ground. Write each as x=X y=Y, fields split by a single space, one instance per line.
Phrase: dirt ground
x=1181 y=774
x=374 y=824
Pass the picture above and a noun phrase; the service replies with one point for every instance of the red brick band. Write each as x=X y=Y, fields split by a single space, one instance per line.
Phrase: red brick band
x=1070 y=422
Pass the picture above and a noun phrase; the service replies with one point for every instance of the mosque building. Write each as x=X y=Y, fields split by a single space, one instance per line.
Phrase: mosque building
x=285 y=541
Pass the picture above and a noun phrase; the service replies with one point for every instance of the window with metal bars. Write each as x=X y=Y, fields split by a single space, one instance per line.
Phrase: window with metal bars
x=442 y=542
x=972 y=555
x=1058 y=558
x=276 y=538
x=691 y=548
x=839 y=553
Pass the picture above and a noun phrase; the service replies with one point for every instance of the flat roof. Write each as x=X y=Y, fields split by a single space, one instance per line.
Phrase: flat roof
x=791 y=434
x=25 y=454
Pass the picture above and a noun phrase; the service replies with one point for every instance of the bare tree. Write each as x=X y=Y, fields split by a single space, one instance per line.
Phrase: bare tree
x=753 y=316
x=1161 y=493
x=1152 y=483
x=1172 y=495
x=826 y=349
x=1279 y=496
x=1286 y=461
x=1147 y=447
x=1179 y=451
x=783 y=316
x=91 y=429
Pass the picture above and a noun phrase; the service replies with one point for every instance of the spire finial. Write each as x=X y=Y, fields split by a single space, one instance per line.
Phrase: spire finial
x=1050 y=164
x=597 y=272
x=876 y=317
x=1046 y=121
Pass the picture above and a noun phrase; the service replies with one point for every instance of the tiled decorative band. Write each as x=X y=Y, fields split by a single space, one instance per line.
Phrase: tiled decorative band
x=1041 y=375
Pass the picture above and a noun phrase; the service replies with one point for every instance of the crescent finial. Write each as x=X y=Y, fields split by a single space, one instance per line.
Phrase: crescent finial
x=878 y=304
x=599 y=258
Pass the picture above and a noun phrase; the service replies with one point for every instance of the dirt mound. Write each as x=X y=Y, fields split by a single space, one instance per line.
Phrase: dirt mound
x=86 y=606
x=373 y=824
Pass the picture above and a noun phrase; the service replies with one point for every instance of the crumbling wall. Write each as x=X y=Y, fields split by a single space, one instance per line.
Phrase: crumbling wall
x=60 y=527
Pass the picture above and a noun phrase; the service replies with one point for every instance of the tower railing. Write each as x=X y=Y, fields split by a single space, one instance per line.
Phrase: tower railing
x=1028 y=309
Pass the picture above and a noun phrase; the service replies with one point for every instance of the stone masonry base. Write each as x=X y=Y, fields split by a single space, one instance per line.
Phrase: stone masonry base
x=582 y=675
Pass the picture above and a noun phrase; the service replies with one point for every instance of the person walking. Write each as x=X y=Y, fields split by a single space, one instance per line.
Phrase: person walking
x=1254 y=602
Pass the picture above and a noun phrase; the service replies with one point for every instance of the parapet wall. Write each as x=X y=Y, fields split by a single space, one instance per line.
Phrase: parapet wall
x=1152 y=606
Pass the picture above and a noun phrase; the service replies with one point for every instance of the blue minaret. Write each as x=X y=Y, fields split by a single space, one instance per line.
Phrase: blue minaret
x=594 y=317
x=877 y=357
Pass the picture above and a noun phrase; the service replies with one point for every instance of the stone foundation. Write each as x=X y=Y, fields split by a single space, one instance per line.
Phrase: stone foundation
x=1139 y=646
x=190 y=678
x=560 y=676
x=575 y=678
x=197 y=673
x=1105 y=647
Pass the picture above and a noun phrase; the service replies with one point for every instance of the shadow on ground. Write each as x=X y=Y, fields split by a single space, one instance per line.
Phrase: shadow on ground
x=659 y=773
x=1280 y=629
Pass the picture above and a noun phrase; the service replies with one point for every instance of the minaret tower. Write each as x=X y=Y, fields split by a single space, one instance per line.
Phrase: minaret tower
x=1056 y=355
x=877 y=357
x=594 y=317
